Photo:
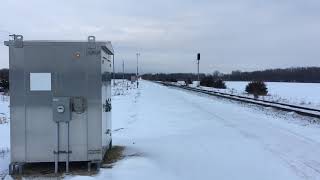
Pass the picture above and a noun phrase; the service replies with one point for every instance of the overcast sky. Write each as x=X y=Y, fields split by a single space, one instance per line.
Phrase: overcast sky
x=230 y=34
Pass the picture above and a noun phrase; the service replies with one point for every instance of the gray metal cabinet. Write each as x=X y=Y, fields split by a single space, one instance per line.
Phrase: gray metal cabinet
x=60 y=100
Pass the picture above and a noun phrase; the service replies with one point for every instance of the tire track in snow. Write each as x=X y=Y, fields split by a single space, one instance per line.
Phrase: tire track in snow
x=300 y=164
x=301 y=167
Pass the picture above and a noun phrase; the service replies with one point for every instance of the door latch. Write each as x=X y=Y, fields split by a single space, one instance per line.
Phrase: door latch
x=107 y=106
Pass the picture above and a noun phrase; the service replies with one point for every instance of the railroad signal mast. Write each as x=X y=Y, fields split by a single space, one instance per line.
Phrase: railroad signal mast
x=113 y=73
x=198 y=63
x=123 y=71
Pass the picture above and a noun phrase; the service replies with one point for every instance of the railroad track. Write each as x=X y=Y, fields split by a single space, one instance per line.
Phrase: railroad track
x=305 y=111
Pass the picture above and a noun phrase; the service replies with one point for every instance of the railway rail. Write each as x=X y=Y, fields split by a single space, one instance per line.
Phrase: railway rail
x=305 y=111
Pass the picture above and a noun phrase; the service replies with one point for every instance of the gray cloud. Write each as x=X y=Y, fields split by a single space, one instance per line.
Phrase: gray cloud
x=230 y=34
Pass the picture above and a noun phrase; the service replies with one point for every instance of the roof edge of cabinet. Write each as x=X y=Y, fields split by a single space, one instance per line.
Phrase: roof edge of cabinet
x=18 y=42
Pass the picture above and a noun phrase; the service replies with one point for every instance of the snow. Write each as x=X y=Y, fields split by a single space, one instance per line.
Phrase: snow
x=175 y=134
x=183 y=135
x=181 y=83
x=303 y=94
x=4 y=135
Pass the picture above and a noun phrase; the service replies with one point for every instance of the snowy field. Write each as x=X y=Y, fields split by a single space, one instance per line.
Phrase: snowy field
x=176 y=134
x=306 y=94
x=302 y=94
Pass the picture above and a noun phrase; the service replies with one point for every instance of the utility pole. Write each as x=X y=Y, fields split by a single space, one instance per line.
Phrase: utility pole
x=137 y=74
x=114 y=79
x=198 y=59
x=123 y=71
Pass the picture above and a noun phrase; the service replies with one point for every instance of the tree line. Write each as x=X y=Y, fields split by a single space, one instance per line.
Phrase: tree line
x=298 y=74
x=173 y=77
x=4 y=80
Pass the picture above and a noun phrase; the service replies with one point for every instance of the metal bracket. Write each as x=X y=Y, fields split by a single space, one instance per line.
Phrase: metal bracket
x=91 y=42
x=16 y=41
x=108 y=131
x=94 y=151
x=92 y=47
x=62 y=152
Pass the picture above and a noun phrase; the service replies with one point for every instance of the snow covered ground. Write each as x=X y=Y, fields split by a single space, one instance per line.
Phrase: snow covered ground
x=302 y=94
x=305 y=94
x=175 y=134
x=181 y=135
x=4 y=135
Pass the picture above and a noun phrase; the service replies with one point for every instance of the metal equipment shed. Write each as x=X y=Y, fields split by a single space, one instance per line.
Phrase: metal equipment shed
x=60 y=101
